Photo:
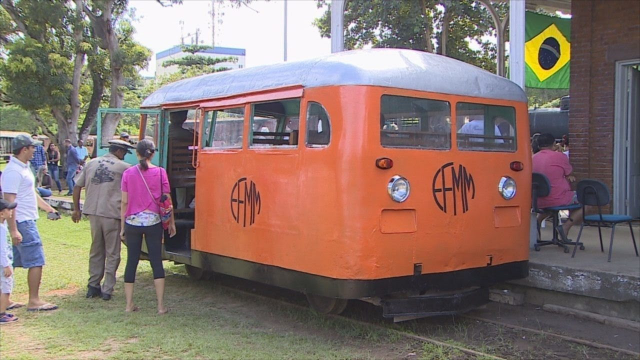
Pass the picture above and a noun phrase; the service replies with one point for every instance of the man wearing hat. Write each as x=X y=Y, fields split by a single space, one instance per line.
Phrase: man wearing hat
x=102 y=178
x=124 y=136
x=18 y=185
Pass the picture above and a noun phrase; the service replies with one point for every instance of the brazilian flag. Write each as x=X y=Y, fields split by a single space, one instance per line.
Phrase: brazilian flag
x=547 y=51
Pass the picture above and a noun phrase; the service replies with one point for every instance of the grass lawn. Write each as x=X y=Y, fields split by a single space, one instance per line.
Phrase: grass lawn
x=205 y=321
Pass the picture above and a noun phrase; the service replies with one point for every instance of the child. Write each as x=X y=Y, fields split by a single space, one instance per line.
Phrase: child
x=6 y=263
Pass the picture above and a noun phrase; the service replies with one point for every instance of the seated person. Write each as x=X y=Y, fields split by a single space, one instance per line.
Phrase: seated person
x=555 y=165
x=176 y=131
x=44 y=182
x=476 y=127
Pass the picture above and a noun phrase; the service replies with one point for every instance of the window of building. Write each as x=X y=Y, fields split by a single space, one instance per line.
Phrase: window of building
x=416 y=123
x=275 y=124
x=318 y=125
x=223 y=128
x=486 y=127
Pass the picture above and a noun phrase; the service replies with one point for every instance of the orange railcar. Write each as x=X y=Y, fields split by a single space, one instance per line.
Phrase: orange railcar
x=393 y=176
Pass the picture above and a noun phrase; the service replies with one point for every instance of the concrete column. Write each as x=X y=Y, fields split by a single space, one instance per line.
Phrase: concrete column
x=516 y=41
x=337 y=25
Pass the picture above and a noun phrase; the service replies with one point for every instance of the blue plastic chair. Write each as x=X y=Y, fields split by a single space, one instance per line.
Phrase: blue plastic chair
x=541 y=187
x=596 y=193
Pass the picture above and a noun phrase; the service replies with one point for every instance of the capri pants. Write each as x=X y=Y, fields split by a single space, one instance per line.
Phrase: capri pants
x=153 y=236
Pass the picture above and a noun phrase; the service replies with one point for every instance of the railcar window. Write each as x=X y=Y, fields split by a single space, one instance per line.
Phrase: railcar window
x=275 y=124
x=223 y=128
x=415 y=123
x=318 y=125
x=486 y=127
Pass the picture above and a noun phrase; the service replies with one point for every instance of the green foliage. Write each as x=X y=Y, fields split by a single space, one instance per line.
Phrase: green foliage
x=200 y=63
x=36 y=74
x=420 y=25
x=545 y=98
x=195 y=48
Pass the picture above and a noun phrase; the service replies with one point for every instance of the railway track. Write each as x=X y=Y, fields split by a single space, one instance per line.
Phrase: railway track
x=287 y=298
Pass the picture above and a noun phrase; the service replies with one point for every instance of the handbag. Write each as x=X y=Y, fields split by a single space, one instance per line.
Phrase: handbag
x=165 y=205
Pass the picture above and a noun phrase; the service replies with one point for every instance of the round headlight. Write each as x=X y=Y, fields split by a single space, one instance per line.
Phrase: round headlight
x=398 y=188
x=507 y=187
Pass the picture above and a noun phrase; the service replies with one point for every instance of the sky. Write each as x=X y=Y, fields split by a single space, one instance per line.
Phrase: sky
x=259 y=29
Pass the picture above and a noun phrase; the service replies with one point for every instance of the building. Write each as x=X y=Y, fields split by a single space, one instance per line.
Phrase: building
x=604 y=121
x=217 y=52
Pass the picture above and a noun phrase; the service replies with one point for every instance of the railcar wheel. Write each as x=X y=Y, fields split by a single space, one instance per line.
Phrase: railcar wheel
x=327 y=305
x=196 y=273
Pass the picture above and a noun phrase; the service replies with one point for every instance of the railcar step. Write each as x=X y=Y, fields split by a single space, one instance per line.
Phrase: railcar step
x=435 y=304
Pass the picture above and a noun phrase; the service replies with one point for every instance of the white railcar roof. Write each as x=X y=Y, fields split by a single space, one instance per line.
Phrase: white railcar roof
x=394 y=68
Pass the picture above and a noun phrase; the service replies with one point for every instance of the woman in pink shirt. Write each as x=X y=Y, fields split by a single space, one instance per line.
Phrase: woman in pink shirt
x=555 y=165
x=142 y=188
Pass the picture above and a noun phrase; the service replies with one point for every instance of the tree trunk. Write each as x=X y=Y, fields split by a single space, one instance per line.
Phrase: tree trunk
x=74 y=96
x=110 y=122
x=94 y=104
x=446 y=19
x=103 y=28
x=67 y=129
x=428 y=26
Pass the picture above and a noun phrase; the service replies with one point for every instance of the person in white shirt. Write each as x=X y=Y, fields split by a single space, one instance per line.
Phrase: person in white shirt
x=18 y=185
x=476 y=127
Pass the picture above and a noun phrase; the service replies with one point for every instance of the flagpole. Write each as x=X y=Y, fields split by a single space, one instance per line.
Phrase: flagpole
x=285 y=30
x=337 y=25
x=516 y=41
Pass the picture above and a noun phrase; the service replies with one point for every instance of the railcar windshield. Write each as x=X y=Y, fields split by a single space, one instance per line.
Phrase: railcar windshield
x=486 y=127
x=407 y=122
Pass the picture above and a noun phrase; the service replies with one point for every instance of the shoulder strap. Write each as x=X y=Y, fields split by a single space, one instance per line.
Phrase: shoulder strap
x=147 y=186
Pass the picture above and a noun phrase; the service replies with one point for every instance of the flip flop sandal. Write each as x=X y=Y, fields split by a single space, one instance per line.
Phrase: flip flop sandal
x=15 y=305
x=45 y=307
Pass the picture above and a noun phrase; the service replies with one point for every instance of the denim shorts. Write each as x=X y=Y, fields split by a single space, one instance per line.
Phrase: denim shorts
x=29 y=252
x=6 y=283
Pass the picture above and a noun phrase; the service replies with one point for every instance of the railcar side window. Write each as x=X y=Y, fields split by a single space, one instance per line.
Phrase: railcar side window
x=223 y=128
x=318 y=125
x=415 y=123
x=275 y=124
x=486 y=127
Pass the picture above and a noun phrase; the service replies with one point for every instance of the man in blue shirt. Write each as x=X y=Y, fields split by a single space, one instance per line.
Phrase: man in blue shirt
x=39 y=157
x=82 y=151
x=73 y=161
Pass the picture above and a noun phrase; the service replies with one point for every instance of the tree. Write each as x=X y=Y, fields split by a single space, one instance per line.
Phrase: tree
x=199 y=64
x=55 y=62
x=446 y=27
x=103 y=15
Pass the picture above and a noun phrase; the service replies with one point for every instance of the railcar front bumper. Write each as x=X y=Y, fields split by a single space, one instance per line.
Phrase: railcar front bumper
x=435 y=304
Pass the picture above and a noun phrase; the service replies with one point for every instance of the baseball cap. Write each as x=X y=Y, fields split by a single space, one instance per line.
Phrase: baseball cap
x=122 y=144
x=124 y=135
x=22 y=140
x=4 y=204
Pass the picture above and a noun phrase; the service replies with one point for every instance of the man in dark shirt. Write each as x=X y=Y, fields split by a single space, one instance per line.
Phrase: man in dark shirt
x=176 y=131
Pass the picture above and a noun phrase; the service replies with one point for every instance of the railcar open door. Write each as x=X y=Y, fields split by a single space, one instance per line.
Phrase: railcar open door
x=139 y=124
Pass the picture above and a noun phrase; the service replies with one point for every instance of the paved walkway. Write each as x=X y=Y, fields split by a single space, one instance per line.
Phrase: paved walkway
x=623 y=258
